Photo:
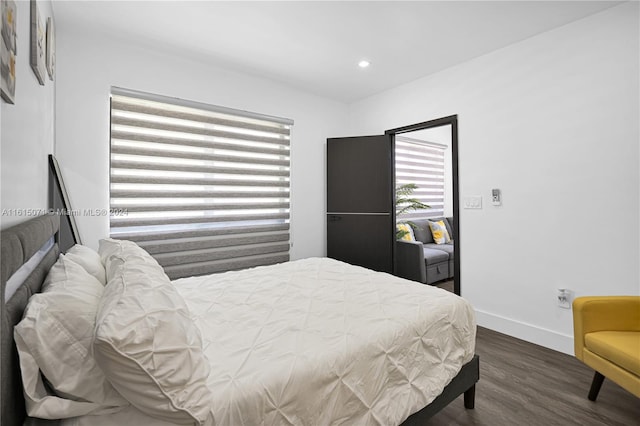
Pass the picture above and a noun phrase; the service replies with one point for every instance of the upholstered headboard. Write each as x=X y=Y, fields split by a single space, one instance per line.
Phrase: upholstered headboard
x=18 y=245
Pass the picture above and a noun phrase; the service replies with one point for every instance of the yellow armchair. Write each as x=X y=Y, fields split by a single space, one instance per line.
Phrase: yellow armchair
x=607 y=338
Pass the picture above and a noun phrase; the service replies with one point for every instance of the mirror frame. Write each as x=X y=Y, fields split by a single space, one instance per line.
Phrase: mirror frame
x=451 y=120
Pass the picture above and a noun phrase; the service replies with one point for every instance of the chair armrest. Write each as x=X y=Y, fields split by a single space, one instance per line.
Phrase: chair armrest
x=410 y=260
x=603 y=313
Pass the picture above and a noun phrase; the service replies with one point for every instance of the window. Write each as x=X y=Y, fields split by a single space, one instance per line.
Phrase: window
x=203 y=189
x=422 y=163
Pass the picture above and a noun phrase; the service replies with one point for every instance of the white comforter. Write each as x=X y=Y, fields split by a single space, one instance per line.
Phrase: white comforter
x=321 y=342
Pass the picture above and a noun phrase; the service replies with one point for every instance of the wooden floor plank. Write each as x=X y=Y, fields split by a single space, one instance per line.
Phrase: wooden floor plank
x=523 y=384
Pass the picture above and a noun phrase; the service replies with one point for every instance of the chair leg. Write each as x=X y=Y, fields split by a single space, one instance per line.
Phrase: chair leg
x=470 y=398
x=595 y=386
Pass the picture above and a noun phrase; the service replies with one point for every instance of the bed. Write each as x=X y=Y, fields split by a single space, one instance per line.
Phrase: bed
x=314 y=341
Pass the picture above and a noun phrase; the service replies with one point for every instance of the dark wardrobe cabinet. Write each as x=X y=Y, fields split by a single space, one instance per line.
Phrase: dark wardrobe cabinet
x=360 y=210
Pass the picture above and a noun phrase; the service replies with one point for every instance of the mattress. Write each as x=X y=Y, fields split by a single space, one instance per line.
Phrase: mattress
x=320 y=342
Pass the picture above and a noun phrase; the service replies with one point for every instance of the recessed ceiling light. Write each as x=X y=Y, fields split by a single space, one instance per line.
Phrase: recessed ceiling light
x=364 y=64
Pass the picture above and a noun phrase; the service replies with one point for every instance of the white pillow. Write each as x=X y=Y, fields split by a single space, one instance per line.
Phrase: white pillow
x=89 y=259
x=54 y=340
x=145 y=340
x=114 y=252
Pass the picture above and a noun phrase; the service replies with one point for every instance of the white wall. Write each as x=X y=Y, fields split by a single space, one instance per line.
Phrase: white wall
x=553 y=122
x=90 y=64
x=27 y=131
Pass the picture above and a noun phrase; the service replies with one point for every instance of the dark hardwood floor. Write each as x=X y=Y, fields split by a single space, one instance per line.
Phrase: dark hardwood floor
x=525 y=384
x=446 y=285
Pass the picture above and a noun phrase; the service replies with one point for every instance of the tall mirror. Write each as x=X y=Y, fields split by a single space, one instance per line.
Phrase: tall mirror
x=426 y=198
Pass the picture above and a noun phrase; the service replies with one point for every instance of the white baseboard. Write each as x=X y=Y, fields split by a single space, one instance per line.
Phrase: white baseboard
x=528 y=332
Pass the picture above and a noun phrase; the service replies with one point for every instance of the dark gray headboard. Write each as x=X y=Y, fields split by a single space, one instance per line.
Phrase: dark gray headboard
x=17 y=245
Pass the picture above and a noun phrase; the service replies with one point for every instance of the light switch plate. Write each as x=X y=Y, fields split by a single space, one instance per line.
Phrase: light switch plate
x=496 y=197
x=473 y=202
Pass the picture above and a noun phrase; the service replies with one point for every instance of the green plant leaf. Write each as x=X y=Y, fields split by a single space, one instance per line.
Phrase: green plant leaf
x=404 y=202
x=400 y=233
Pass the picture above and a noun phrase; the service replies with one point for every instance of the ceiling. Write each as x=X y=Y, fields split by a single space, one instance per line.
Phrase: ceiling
x=315 y=46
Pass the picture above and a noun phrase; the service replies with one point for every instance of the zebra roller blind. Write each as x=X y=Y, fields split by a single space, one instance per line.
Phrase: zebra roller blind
x=422 y=163
x=203 y=189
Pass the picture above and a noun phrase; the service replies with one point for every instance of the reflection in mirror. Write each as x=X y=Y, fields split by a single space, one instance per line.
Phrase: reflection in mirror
x=424 y=172
x=423 y=157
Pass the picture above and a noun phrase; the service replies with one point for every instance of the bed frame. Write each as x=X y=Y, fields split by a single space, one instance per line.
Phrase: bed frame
x=19 y=243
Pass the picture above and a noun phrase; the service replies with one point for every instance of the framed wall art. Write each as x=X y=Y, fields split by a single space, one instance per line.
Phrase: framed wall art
x=8 y=50
x=51 y=49
x=59 y=203
x=38 y=44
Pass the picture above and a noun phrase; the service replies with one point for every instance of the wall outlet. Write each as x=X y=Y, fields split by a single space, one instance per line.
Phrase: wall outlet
x=564 y=298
